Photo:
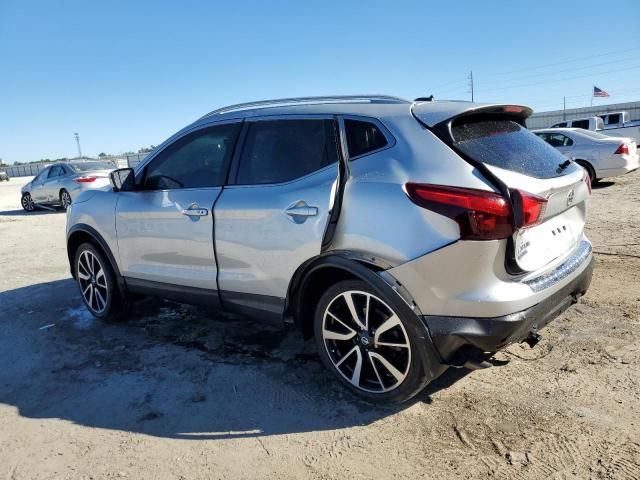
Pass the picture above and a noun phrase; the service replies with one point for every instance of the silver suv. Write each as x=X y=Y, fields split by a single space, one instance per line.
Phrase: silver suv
x=406 y=237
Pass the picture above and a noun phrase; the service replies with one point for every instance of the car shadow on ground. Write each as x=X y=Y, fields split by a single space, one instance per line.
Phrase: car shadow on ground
x=24 y=213
x=172 y=370
x=602 y=184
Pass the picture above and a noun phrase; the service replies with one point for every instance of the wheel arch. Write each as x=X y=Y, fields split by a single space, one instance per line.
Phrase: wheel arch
x=82 y=233
x=313 y=278
x=588 y=166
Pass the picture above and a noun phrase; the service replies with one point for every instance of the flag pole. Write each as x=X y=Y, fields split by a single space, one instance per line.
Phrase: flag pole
x=592 y=90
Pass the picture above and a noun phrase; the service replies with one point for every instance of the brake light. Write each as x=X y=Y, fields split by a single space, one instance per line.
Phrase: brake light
x=87 y=179
x=481 y=215
x=623 y=149
x=587 y=179
x=533 y=207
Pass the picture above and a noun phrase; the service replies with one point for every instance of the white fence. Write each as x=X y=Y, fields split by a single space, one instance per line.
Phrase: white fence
x=32 y=169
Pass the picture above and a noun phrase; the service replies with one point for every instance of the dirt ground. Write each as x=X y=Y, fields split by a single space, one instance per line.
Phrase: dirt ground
x=183 y=393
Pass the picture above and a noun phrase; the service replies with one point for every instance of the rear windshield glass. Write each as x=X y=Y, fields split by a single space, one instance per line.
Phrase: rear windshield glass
x=88 y=166
x=507 y=144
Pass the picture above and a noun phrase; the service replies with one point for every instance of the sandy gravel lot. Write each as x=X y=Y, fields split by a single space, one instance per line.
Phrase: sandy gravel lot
x=182 y=393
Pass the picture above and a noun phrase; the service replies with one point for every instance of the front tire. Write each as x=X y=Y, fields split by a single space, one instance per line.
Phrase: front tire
x=97 y=283
x=368 y=344
x=27 y=202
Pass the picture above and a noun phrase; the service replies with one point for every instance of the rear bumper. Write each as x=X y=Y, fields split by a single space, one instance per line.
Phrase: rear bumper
x=630 y=164
x=450 y=334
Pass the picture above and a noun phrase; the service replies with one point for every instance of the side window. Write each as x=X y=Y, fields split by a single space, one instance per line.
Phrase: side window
x=55 y=171
x=580 y=124
x=363 y=137
x=613 y=118
x=198 y=160
x=278 y=151
x=567 y=141
x=42 y=175
x=559 y=140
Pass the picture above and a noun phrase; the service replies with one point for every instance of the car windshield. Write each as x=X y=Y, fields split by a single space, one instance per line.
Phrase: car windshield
x=89 y=166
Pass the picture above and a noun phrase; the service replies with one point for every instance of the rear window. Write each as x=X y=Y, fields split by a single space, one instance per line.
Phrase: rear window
x=580 y=124
x=89 y=166
x=509 y=145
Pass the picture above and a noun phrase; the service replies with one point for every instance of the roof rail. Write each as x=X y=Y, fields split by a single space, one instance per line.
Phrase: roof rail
x=308 y=101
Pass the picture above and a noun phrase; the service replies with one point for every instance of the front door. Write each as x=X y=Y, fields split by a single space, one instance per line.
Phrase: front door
x=272 y=219
x=37 y=189
x=165 y=226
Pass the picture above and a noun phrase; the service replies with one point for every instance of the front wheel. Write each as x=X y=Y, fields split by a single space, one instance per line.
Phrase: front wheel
x=97 y=283
x=368 y=344
x=27 y=202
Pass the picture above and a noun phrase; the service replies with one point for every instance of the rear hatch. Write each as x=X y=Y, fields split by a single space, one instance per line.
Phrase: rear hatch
x=494 y=140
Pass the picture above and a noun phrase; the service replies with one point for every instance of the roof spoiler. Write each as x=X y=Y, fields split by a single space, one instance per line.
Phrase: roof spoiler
x=433 y=113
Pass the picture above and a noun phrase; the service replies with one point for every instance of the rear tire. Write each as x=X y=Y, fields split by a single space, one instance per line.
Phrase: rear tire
x=65 y=199
x=590 y=170
x=98 y=283
x=378 y=355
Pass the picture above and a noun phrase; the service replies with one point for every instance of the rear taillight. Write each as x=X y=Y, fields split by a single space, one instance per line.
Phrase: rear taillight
x=587 y=179
x=87 y=179
x=481 y=215
x=533 y=207
x=623 y=149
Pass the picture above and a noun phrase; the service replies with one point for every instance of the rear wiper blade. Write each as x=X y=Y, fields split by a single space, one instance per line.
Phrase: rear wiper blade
x=564 y=165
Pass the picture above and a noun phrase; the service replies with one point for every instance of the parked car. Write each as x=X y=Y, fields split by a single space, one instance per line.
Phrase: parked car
x=600 y=155
x=3 y=176
x=60 y=183
x=406 y=237
x=607 y=123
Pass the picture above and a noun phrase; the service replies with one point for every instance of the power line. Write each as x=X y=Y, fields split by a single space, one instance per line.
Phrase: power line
x=564 y=79
x=566 y=70
x=561 y=63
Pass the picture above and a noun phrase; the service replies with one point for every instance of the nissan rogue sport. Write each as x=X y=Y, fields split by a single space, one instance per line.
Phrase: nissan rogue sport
x=406 y=237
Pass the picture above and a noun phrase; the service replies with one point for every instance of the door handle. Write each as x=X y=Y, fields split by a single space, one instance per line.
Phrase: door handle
x=302 y=211
x=195 y=211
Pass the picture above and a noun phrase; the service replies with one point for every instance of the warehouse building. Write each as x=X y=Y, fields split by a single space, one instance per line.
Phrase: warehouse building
x=546 y=119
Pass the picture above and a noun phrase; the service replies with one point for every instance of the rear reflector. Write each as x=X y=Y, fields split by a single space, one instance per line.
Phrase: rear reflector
x=87 y=179
x=623 y=149
x=481 y=215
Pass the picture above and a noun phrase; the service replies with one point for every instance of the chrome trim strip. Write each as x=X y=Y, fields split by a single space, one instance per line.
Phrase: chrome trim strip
x=563 y=271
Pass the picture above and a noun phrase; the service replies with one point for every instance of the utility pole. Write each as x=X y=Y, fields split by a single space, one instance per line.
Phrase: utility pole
x=77 y=137
x=471 y=83
x=564 y=108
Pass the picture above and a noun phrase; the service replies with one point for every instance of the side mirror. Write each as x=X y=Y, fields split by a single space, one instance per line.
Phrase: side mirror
x=123 y=180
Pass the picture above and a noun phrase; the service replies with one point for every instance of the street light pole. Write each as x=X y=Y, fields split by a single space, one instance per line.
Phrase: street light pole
x=77 y=137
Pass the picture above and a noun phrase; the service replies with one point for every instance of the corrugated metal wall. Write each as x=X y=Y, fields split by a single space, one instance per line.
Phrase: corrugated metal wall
x=546 y=119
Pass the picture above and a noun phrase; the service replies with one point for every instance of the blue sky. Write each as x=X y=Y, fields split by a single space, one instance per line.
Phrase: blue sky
x=126 y=74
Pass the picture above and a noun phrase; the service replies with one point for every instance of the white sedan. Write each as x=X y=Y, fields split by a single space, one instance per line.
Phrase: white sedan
x=600 y=155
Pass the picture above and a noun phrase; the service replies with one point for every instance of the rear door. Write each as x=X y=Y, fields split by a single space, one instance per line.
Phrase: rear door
x=51 y=184
x=165 y=227
x=273 y=216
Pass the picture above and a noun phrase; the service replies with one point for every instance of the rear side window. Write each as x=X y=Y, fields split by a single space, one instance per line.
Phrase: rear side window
x=509 y=145
x=278 y=151
x=614 y=118
x=580 y=124
x=363 y=137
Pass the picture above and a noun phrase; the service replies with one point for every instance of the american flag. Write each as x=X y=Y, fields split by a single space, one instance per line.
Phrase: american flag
x=598 y=92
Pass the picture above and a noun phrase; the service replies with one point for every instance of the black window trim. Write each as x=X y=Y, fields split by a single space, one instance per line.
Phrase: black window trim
x=242 y=137
x=141 y=170
x=391 y=140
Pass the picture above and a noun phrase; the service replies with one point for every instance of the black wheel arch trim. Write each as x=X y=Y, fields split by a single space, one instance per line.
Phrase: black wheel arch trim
x=95 y=235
